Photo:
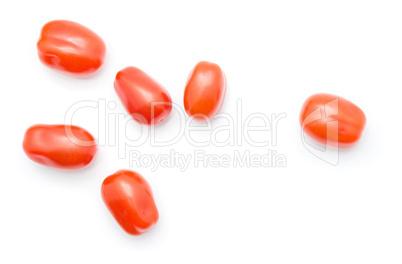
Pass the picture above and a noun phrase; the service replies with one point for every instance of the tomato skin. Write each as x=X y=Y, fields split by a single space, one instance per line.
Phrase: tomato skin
x=145 y=100
x=321 y=109
x=205 y=90
x=50 y=145
x=71 y=48
x=129 y=199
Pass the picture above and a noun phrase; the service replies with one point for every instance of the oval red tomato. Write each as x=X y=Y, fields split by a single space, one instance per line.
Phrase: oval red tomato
x=70 y=48
x=205 y=91
x=60 y=146
x=129 y=199
x=145 y=100
x=332 y=120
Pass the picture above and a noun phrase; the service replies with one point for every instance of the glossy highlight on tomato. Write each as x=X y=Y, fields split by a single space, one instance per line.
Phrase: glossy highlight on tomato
x=129 y=199
x=205 y=91
x=332 y=120
x=145 y=100
x=60 y=146
x=71 y=48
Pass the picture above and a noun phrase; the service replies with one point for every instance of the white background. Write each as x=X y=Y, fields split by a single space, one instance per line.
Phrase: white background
x=275 y=54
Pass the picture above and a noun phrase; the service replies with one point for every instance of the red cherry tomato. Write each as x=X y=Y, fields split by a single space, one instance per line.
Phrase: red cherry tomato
x=205 y=90
x=129 y=199
x=332 y=120
x=145 y=100
x=60 y=146
x=71 y=48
